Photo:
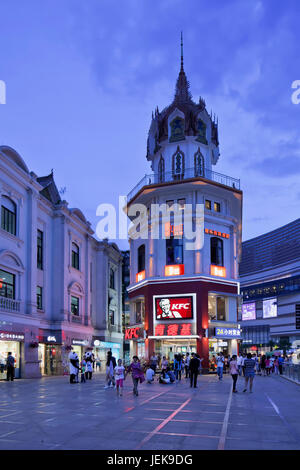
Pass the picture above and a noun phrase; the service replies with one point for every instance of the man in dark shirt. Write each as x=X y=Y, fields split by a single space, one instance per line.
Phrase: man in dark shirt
x=10 y=366
x=194 y=370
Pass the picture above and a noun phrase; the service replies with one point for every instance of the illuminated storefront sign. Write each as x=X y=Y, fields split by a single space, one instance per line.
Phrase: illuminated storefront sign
x=216 y=233
x=173 y=230
x=134 y=333
x=140 y=276
x=174 y=269
x=11 y=336
x=270 y=308
x=80 y=342
x=248 y=311
x=217 y=271
x=170 y=307
x=227 y=333
x=173 y=329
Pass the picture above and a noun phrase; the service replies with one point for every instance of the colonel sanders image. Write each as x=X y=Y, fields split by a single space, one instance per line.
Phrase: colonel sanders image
x=165 y=305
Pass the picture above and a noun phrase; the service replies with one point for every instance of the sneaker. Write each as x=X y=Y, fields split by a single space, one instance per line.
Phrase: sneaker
x=106 y=386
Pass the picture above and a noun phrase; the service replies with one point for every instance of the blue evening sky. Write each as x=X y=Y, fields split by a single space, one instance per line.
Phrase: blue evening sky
x=83 y=77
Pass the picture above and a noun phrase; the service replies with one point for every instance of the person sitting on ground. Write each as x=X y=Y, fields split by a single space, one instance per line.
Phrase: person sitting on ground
x=150 y=375
x=164 y=378
x=171 y=374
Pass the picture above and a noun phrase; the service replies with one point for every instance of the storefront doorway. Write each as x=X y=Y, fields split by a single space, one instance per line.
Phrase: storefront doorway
x=15 y=348
x=171 y=347
x=50 y=359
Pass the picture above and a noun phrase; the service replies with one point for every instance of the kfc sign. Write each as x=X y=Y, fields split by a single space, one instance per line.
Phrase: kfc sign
x=134 y=333
x=174 y=329
x=169 y=308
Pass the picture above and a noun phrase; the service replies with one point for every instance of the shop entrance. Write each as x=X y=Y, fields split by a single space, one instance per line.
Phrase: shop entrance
x=50 y=359
x=215 y=347
x=15 y=348
x=170 y=347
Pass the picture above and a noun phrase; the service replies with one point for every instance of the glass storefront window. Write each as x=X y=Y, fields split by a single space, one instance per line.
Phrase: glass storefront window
x=216 y=308
x=14 y=348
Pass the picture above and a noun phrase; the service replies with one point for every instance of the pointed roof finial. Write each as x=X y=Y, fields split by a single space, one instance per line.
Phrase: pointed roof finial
x=181 y=51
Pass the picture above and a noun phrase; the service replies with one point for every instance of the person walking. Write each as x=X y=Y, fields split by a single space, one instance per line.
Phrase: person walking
x=263 y=365
x=234 y=371
x=268 y=366
x=137 y=374
x=194 y=370
x=10 y=367
x=240 y=363
x=244 y=356
x=110 y=366
x=280 y=364
x=249 y=371
x=89 y=369
x=276 y=366
x=83 y=370
x=220 y=365
x=187 y=365
x=119 y=377
x=164 y=363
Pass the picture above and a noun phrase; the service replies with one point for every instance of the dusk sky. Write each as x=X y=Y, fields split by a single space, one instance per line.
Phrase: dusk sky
x=83 y=77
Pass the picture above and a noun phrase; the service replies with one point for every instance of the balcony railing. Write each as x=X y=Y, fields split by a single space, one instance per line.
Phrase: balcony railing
x=166 y=177
x=9 y=305
x=292 y=371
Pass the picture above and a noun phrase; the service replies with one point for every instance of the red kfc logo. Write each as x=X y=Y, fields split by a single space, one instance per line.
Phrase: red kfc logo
x=174 y=308
x=133 y=333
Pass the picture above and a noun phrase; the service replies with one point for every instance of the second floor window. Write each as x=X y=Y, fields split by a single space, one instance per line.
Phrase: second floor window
x=7 y=284
x=174 y=251
x=8 y=215
x=39 y=297
x=112 y=278
x=111 y=317
x=141 y=258
x=75 y=305
x=216 y=308
x=216 y=251
x=75 y=256
x=40 y=249
x=161 y=170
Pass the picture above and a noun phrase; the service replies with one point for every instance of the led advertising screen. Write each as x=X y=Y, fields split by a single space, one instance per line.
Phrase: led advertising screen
x=270 y=308
x=169 y=308
x=248 y=311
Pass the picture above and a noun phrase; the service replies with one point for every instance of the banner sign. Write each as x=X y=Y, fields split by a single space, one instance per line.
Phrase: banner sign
x=174 y=329
x=228 y=333
x=173 y=307
x=11 y=336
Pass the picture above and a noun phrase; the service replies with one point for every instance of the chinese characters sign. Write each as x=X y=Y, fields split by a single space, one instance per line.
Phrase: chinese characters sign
x=174 y=269
x=227 y=333
x=248 y=311
x=217 y=271
x=169 y=307
x=174 y=329
x=215 y=232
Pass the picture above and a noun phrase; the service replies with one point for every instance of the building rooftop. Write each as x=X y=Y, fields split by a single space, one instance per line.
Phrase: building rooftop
x=271 y=249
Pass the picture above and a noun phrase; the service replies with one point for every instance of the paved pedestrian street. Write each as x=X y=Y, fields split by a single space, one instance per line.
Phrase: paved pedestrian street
x=49 y=413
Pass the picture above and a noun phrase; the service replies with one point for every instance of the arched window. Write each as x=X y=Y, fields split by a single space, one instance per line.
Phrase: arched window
x=199 y=163
x=141 y=258
x=8 y=215
x=201 y=132
x=216 y=251
x=161 y=170
x=75 y=256
x=177 y=129
x=178 y=164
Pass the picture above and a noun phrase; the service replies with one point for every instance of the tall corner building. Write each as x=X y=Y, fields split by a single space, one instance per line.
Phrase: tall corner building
x=182 y=299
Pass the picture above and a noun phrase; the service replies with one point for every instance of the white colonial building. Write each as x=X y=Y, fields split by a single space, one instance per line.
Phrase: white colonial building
x=59 y=286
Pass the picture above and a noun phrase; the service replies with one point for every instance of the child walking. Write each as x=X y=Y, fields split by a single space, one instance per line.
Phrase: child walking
x=119 y=377
x=83 y=369
x=137 y=374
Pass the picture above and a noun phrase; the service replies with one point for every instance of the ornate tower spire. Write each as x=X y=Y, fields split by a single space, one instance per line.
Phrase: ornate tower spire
x=182 y=92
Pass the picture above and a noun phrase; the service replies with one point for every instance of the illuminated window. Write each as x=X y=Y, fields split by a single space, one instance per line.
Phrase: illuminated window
x=217 y=207
x=7 y=284
x=207 y=204
x=216 y=251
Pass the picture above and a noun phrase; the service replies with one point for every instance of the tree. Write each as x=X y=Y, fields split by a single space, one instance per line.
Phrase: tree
x=284 y=344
